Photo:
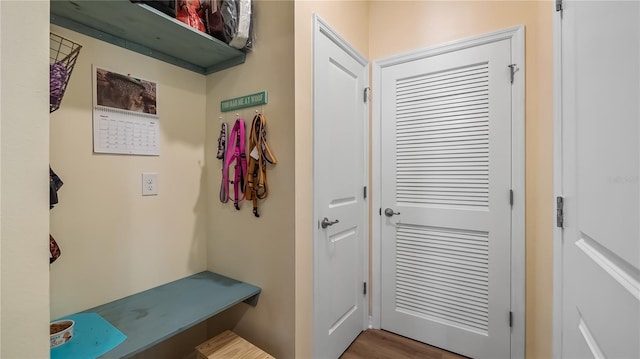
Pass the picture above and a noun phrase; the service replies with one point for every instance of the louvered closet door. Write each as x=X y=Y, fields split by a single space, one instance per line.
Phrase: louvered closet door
x=446 y=169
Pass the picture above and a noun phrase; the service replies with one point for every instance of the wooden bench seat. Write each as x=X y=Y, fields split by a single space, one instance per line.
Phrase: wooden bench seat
x=149 y=317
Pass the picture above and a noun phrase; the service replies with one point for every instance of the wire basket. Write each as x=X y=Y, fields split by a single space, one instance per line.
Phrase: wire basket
x=63 y=54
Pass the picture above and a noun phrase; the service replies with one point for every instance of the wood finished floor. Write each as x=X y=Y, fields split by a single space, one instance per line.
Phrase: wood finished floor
x=380 y=344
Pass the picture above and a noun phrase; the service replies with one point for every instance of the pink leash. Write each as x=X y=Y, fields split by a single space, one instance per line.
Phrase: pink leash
x=236 y=153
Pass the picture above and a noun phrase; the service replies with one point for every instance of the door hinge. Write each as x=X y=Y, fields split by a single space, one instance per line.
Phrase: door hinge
x=559 y=212
x=511 y=197
x=510 y=319
x=365 y=95
x=364 y=288
x=365 y=192
x=559 y=6
x=514 y=68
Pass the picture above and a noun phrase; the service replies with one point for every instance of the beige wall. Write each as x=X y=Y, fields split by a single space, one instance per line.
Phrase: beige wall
x=259 y=251
x=24 y=149
x=399 y=26
x=115 y=242
x=351 y=20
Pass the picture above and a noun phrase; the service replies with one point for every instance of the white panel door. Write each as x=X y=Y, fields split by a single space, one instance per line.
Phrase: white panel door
x=340 y=77
x=600 y=44
x=446 y=172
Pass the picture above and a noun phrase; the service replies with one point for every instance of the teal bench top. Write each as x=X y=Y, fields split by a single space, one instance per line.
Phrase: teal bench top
x=149 y=317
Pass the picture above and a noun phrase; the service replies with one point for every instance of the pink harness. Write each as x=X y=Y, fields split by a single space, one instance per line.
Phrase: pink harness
x=236 y=153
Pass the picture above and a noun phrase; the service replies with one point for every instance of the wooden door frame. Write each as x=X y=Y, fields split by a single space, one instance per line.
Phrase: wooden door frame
x=320 y=28
x=516 y=36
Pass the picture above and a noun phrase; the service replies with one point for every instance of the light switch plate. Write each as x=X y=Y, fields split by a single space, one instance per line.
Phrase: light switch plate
x=149 y=184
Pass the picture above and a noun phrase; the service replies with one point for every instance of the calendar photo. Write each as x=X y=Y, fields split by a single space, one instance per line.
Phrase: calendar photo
x=125 y=92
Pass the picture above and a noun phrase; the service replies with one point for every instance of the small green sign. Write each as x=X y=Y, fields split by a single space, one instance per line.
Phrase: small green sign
x=255 y=99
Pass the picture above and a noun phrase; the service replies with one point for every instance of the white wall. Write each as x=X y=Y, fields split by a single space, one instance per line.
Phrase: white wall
x=24 y=220
x=115 y=242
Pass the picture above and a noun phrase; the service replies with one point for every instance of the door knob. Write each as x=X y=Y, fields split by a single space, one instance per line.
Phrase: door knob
x=389 y=212
x=326 y=222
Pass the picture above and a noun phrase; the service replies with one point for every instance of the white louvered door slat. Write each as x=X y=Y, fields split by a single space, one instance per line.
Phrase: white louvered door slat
x=446 y=168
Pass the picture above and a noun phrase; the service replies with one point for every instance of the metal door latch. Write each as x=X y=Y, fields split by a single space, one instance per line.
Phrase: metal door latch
x=326 y=222
x=389 y=212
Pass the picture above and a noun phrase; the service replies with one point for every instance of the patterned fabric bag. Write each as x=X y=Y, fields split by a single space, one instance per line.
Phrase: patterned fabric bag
x=191 y=13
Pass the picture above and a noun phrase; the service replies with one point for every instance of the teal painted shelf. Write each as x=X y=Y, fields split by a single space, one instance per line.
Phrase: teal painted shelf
x=145 y=30
x=149 y=317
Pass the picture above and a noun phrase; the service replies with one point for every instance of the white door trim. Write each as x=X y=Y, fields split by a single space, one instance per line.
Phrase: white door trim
x=516 y=36
x=557 y=183
x=320 y=27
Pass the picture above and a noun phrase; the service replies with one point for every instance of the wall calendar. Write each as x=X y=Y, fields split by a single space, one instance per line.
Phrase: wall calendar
x=125 y=114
